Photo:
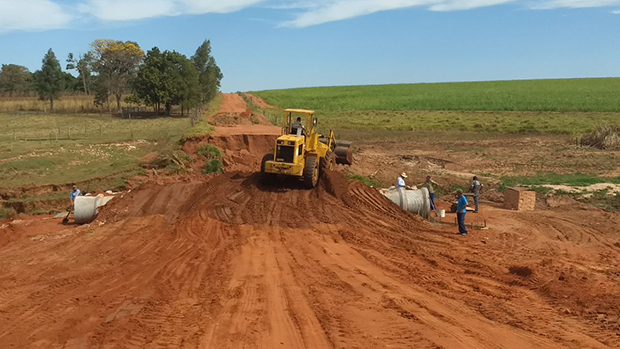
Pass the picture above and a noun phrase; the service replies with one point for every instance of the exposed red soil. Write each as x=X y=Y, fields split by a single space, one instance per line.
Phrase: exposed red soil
x=226 y=262
x=232 y=103
x=234 y=111
x=259 y=102
x=242 y=143
x=229 y=263
x=240 y=152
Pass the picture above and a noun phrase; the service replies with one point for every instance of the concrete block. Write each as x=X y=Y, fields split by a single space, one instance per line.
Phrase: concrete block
x=519 y=199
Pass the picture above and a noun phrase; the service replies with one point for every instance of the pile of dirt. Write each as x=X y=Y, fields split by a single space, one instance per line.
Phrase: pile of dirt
x=259 y=102
x=225 y=119
x=603 y=137
x=231 y=263
x=240 y=152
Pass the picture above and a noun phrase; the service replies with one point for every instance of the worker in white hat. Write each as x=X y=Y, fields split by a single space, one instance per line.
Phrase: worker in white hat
x=400 y=182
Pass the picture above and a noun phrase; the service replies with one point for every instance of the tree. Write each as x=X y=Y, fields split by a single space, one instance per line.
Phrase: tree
x=167 y=78
x=82 y=64
x=188 y=91
x=152 y=83
x=14 y=79
x=209 y=74
x=49 y=81
x=116 y=63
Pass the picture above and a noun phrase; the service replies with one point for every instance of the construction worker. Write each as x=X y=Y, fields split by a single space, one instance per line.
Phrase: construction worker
x=428 y=184
x=475 y=188
x=74 y=193
x=461 y=210
x=296 y=126
x=400 y=182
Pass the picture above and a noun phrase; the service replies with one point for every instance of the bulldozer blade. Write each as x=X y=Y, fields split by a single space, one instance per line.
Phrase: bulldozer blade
x=344 y=153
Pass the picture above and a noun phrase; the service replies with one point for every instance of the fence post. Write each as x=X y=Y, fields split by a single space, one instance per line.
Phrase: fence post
x=14 y=135
x=69 y=132
x=100 y=132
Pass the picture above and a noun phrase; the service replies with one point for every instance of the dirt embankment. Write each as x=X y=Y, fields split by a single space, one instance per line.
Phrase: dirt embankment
x=240 y=152
x=234 y=111
x=259 y=102
x=230 y=263
x=242 y=142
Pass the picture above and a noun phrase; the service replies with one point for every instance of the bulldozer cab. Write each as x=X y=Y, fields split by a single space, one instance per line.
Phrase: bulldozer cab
x=307 y=120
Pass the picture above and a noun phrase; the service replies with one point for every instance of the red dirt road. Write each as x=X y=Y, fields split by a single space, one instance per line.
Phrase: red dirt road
x=232 y=103
x=229 y=263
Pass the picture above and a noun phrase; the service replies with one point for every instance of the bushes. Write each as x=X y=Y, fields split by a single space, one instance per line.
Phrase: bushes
x=603 y=137
x=176 y=161
x=213 y=158
x=212 y=166
x=209 y=151
x=7 y=213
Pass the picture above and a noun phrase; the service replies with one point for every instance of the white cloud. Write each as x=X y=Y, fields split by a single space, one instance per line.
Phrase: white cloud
x=48 y=14
x=458 y=5
x=555 y=4
x=333 y=10
x=126 y=10
x=31 y=15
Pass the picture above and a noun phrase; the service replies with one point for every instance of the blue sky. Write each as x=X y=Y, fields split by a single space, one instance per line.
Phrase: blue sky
x=265 y=44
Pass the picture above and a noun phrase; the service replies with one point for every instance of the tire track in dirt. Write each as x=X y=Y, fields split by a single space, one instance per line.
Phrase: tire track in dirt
x=229 y=263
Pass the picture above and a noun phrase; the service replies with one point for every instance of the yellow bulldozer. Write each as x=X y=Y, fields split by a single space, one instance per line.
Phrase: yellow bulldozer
x=302 y=152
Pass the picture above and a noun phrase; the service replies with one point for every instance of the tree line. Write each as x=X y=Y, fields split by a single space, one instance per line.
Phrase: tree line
x=111 y=69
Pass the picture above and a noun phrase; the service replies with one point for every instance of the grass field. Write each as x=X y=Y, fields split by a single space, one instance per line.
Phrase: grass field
x=98 y=152
x=74 y=104
x=573 y=123
x=579 y=95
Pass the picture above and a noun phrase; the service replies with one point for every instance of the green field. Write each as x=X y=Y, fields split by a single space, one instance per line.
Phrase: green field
x=578 y=95
x=99 y=152
x=572 y=123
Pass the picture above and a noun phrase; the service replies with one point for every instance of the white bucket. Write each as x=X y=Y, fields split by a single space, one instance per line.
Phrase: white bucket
x=442 y=213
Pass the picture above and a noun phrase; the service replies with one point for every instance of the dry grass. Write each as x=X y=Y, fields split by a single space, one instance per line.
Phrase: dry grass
x=67 y=104
x=604 y=137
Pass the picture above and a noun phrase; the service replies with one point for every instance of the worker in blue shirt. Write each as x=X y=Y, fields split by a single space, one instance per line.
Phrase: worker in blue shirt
x=461 y=210
x=75 y=192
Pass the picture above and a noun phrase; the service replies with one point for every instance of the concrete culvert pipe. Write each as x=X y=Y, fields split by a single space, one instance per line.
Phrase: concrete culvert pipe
x=414 y=201
x=85 y=208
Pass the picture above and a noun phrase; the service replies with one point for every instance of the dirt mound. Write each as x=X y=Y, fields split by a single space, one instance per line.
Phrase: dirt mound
x=240 y=152
x=603 y=137
x=232 y=103
x=229 y=263
x=231 y=119
x=259 y=102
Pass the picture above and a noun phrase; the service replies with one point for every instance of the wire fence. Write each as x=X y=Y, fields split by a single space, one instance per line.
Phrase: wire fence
x=93 y=132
